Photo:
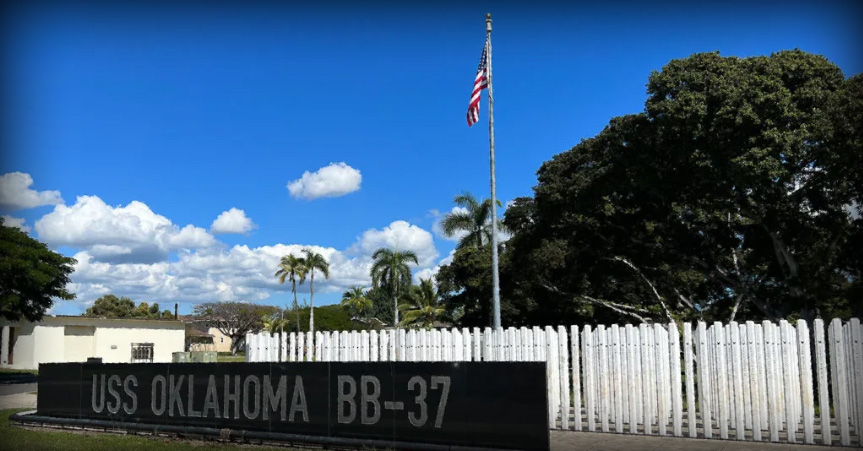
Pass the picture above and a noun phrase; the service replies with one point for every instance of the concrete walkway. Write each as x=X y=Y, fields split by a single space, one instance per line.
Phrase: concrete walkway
x=598 y=441
x=18 y=401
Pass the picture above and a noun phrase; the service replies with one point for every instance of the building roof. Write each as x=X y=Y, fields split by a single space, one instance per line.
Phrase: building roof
x=195 y=332
x=107 y=322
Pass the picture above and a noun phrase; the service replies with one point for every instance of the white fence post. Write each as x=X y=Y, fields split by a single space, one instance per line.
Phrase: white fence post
x=840 y=386
x=737 y=374
x=790 y=417
x=676 y=388
x=251 y=347
x=704 y=377
x=823 y=391
x=644 y=343
x=589 y=382
x=563 y=360
x=576 y=378
x=616 y=382
x=754 y=376
x=691 y=419
x=856 y=344
x=808 y=398
x=603 y=373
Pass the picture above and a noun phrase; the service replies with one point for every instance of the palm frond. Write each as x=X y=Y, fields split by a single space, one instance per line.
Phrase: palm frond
x=466 y=200
x=455 y=222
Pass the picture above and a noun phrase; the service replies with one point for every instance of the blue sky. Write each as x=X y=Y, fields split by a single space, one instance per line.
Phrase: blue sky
x=166 y=117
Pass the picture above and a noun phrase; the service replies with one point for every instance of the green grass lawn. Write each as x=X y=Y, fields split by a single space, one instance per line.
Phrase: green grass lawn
x=55 y=439
x=231 y=358
x=8 y=371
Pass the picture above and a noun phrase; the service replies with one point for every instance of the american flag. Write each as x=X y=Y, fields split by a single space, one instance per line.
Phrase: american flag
x=480 y=83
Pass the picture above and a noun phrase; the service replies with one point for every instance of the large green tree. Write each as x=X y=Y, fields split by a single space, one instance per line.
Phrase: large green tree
x=111 y=306
x=390 y=269
x=465 y=289
x=382 y=304
x=31 y=276
x=294 y=270
x=313 y=261
x=730 y=197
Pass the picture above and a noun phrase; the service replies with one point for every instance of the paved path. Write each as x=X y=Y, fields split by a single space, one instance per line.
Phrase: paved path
x=18 y=401
x=11 y=389
x=597 y=441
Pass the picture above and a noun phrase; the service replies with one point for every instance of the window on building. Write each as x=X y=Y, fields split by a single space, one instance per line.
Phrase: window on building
x=142 y=352
x=223 y=339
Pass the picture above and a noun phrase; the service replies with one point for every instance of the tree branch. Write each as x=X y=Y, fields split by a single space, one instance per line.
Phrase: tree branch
x=736 y=306
x=684 y=299
x=620 y=308
x=615 y=307
x=658 y=297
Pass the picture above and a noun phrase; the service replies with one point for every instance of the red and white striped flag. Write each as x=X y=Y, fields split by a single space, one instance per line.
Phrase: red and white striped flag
x=480 y=83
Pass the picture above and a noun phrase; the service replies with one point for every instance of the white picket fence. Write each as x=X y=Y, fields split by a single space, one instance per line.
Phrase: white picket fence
x=746 y=381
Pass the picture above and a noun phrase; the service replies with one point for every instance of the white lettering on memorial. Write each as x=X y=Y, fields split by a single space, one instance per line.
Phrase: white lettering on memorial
x=158 y=395
x=130 y=408
x=370 y=399
x=298 y=401
x=273 y=400
x=232 y=397
x=191 y=394
x=211 y=400
x=174 y=395
x=419 y=420
x=112 y=381
x=346 y=398
x=255 y=397
x=98 y=389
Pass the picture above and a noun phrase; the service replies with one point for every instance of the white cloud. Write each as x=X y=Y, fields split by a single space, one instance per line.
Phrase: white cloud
x=402 y=236
x=238 y=273
x=15 y=193
x=334 y=180
x=132 y=251
x=9 y=221
x=133 y=233
x=232 y=221
x=430 y=273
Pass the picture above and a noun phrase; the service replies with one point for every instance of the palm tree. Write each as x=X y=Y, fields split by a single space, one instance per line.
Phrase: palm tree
x=423 y=306
x=390 y=269
x=293 y=268
x=314 y=261
x=476 y=221
x=356 y=302
x=275 y=322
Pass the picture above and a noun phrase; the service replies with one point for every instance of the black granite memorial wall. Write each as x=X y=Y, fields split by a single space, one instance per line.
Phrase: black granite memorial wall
x=480 y=404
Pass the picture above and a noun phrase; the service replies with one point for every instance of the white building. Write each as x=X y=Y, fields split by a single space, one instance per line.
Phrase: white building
x=24 y=345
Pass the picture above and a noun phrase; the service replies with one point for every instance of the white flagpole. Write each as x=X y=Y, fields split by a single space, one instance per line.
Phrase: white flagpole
x=495 y=278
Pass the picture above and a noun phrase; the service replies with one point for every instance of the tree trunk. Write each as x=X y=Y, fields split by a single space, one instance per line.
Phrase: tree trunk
x=235 y=343
x=296 y=305
x=312 y=304
x=396 y=303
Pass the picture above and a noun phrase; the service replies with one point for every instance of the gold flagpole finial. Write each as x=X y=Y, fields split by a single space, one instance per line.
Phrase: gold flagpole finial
x=488 y=16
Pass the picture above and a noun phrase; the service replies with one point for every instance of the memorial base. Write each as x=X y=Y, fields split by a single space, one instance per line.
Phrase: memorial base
x=30 y=418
